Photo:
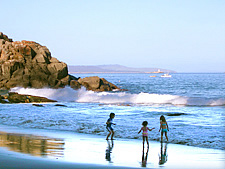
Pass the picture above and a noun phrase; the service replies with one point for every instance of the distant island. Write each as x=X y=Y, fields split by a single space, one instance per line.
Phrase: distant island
x=114 y=69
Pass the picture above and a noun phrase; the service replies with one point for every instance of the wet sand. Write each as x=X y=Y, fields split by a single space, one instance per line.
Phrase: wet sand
x=34 y=148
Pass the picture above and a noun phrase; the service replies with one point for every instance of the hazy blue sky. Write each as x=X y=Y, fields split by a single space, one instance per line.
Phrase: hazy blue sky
x=182 y=35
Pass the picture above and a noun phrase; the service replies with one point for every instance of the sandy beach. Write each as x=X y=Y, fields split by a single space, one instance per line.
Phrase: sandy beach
x=35 y=148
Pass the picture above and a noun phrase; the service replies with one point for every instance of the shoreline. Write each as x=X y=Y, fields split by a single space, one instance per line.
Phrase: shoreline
x=76 y=150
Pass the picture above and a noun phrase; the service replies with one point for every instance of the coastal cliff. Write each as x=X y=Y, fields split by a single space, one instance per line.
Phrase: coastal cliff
x=29 y=64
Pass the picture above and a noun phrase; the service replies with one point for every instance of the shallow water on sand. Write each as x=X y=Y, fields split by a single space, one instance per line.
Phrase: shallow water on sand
x=91 y=149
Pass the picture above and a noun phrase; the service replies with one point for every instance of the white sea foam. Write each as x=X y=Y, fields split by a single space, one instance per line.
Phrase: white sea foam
x=82 y=95
x=63 y=94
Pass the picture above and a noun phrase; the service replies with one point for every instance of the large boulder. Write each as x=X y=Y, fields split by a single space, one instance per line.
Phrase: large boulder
x=29 y=64
x=97 y=84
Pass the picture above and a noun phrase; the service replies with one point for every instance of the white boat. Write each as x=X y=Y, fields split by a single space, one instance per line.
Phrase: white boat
x=166 y=75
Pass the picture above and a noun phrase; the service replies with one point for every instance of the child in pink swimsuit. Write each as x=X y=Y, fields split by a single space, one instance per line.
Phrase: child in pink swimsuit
x=145 y=132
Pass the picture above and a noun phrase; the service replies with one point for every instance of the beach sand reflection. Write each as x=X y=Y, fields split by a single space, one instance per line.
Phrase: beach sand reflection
x=109 y=151
x=33 y=145
x=163 y=154
x=144 y=157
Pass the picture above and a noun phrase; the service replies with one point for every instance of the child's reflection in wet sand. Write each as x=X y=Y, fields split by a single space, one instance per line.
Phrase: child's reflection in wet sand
x=163 y=154
x=108 y=151
x=144 y=157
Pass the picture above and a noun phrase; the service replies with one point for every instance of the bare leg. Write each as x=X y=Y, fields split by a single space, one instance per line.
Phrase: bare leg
x=108 y=135
x=143 y=142
x=147 y=142
x=161 y=136
x=166 y=136
x=112 y=135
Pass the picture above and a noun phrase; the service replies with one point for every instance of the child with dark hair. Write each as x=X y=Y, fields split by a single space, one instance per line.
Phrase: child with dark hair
x=164 y=127
x=109 y=126
x=145 y=132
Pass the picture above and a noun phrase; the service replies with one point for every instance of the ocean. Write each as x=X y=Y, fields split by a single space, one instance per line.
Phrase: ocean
x=193 y=104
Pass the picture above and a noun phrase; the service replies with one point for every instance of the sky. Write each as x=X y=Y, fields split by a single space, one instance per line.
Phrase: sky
x=180 y=35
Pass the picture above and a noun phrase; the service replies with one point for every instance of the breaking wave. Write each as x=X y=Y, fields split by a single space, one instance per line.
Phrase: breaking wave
x=68 y=94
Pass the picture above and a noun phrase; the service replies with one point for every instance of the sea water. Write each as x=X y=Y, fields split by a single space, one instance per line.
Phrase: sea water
x=193 y=104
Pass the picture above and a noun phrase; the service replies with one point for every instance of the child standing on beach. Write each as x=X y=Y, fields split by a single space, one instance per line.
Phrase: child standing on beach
x=164 y=127
x=109 y=126
x=145 y=132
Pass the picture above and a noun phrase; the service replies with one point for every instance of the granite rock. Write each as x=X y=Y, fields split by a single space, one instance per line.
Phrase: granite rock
x=29 y=64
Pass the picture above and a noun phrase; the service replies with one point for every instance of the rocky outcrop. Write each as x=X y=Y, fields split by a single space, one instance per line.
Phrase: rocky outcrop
x=29 y=64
